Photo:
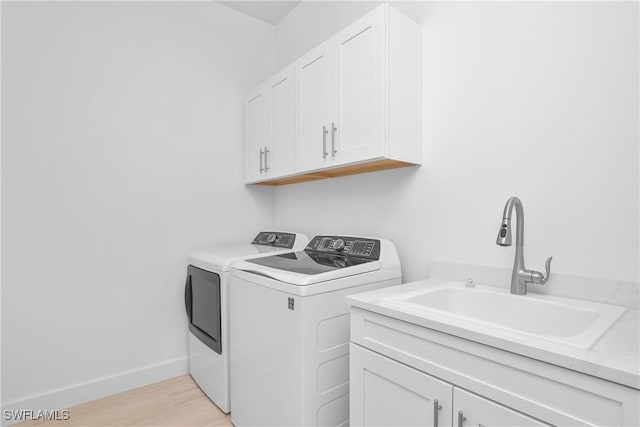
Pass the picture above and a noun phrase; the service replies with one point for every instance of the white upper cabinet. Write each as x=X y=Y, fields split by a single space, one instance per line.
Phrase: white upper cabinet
x=356 y=96
x=270 y=129
x=358 y=104
x=256 y=133
x=312 y=109
x=280 y=158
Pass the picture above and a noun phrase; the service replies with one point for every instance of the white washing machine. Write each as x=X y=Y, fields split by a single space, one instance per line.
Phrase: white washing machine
x=207 y=306
x=290 y=329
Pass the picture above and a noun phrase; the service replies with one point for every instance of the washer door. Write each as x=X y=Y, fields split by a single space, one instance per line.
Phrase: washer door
x=202 y=304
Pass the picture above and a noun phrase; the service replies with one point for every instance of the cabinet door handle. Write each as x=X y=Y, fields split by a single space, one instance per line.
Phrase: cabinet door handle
x=324 y=142
x=333 y=139
x=261 y=168
x=436 y=409
x=461 y=418
x=266 y=163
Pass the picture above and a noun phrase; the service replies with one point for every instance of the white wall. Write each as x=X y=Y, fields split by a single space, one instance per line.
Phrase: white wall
x=538 y=100
x=309 y=24
x=122 y=151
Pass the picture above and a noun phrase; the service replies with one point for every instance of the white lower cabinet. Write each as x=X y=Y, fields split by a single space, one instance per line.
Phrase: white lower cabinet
x=472 y=410
x=387 y=393
x=398 y=370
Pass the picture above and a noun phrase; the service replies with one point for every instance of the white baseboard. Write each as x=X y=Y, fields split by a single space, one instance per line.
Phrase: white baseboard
x=100 y=387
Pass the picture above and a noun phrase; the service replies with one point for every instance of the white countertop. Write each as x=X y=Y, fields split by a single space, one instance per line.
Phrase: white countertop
x=614 y=357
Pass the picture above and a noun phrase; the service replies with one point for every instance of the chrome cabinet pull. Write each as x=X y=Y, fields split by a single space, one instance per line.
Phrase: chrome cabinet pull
x=436 y=409
x=461 y=418
x=261 y=168
x=266 y=163
x=333 y=139
x=324 y=142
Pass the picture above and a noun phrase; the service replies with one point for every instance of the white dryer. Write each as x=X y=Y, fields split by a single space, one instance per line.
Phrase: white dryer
x=290 y=327
x=206 y=298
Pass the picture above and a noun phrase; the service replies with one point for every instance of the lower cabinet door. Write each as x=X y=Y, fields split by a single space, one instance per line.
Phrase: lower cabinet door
x=471 y=410
x=384 y=392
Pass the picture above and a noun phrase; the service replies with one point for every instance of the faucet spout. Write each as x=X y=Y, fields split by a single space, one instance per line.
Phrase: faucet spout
x=520 y=276
x=504 y=235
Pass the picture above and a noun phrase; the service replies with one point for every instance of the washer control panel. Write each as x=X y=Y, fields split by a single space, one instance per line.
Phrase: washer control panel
x=360 y=247
x=275 y=238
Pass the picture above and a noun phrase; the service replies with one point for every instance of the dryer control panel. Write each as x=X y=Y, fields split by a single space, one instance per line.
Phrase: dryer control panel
x=275 y=238
x=360 y=247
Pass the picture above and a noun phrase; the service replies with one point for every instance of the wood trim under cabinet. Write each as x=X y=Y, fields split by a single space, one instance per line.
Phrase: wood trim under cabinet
x=376 y=165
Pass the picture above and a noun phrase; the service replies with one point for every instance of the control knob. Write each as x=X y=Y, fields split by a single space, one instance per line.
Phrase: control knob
x=271 y=238
x=338 y=244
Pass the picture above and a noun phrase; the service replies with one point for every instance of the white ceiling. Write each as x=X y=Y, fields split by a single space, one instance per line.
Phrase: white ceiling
x=270 y=12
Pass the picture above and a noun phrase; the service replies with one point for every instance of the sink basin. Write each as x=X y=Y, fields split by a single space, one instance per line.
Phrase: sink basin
x=521 y=317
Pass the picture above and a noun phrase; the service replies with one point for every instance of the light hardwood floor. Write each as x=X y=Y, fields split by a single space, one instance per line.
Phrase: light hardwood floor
x=177 y=402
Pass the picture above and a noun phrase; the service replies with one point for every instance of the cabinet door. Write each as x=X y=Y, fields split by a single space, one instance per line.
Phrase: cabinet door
x=384 y=392
x=279 y=152
x=357 y=99
x=471 y=410
x=257 y=134
x=312 y=77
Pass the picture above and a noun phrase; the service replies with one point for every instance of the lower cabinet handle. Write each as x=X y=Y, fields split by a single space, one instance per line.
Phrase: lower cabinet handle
x=324 y=142
x=436 y=409
x=261 y=168
x=333 y=139
x=266 y=163
x=461 y=418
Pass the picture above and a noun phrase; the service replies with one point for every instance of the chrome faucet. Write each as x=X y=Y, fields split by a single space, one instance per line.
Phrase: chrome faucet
x=520 y=275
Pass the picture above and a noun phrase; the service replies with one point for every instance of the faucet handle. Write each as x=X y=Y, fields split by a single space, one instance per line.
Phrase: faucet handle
x=537 y=277
x=547 y=266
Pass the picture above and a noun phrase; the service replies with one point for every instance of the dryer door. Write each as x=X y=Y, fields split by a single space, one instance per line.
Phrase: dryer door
x=202 y=304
